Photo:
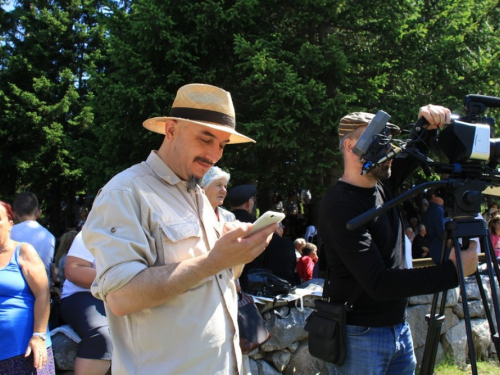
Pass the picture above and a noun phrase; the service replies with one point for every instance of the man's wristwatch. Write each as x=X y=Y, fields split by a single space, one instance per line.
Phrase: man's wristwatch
x=43 y=336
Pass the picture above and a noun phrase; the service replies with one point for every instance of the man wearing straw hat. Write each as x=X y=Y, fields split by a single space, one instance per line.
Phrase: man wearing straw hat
x=165 y=267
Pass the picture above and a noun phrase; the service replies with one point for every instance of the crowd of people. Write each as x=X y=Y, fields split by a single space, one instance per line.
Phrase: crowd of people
x=149 y=277
x=42 y=288
x=424 y=221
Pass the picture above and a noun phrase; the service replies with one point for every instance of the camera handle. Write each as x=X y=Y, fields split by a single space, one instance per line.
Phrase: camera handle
x=379 y=210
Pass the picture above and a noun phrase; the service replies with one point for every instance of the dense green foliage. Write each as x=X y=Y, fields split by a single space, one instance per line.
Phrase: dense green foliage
x=78 y=78
x=49 y=49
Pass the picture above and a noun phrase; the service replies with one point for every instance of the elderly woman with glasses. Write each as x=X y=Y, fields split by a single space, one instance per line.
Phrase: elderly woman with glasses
x=215 y=185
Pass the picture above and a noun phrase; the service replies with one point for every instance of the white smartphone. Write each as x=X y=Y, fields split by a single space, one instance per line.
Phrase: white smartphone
x=270 y=217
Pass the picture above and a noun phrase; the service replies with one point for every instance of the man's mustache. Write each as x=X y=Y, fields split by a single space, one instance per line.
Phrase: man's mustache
x=204 y=160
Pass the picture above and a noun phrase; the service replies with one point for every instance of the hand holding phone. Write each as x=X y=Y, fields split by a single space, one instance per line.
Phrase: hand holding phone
x=269 y=218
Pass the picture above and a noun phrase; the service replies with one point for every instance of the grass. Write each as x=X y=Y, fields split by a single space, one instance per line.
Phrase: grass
x=448 y=367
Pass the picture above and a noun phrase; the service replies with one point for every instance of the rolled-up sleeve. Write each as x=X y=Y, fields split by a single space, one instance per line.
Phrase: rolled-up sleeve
x=115 y=236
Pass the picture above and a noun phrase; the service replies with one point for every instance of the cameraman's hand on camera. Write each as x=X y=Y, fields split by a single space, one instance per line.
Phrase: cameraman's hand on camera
x=436 y=115
x=469 y=258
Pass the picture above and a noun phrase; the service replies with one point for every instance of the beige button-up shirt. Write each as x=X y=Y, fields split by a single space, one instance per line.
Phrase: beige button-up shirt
x=145 y=217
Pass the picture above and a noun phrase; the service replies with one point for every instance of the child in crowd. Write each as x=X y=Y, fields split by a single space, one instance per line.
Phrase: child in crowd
x=305 y=265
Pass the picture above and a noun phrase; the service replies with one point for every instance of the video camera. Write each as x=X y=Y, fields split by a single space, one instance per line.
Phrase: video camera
x=465 y=142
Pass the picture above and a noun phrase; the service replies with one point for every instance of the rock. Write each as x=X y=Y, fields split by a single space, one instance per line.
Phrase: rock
x=419 y=354
x=451 y=298
x=254 y=367
x=261 y=367
x=482 y=338
x=455 y=343
x=472 y=288
x=303 y=363
x=419 y=325
x=257 y=354
x=64 y=351
x=293 y=348
x=425 y=299
x=279 y=359
x=476 y=309
x=284 y=332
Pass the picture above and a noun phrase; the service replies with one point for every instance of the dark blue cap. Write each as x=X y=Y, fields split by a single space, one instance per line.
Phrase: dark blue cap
x=240 y=194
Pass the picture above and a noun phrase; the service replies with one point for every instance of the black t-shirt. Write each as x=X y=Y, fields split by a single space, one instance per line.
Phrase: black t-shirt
x=373 y=256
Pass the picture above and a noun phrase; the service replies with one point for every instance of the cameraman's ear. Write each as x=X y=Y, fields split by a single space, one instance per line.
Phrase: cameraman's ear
x=349 y=144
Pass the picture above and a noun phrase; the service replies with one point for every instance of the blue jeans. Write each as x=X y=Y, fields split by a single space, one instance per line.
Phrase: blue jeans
x=377 y=350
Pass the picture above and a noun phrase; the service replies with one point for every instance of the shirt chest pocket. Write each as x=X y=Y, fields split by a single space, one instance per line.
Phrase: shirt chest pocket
x=181 y=241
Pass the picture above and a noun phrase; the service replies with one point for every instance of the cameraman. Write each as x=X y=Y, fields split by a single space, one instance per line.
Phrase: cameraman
x=378 y=337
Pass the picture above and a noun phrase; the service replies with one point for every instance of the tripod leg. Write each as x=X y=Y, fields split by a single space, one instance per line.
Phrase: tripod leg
x=463 y=293
x=434 y=325
x=435 y=322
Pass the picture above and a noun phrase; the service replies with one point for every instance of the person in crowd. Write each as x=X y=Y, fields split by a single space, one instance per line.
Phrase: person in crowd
x=306 y=264
x=25 y=346
x=494 y=227
x=310 y=234
x=292 y=212
x=84 y=213
x=299 y=244
x=373 y=255
x=164 y=263
x=409 y=233
x=424 y=204
x=306 y=199
x=414 y=223
x=215 y=185
x=85 y=313
x=242 y=199
x=490 y=212
x=277 y=203
x=434 y=223
x=27 y=211
x=279 y=257
x=60 y=258
x=420 y=246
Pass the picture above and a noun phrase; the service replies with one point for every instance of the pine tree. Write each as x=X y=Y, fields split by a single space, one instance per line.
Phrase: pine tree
x=49 y=50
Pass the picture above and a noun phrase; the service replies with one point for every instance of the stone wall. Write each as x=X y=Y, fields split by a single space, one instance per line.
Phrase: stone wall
x=287 y=352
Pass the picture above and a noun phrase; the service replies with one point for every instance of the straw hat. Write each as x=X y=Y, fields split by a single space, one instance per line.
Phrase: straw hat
x=203 y=105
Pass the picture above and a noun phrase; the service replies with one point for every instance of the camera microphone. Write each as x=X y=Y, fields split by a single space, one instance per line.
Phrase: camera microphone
x=390 y=155
x=368 y=166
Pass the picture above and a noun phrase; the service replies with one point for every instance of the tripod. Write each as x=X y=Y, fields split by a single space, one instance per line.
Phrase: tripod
x=463 y=204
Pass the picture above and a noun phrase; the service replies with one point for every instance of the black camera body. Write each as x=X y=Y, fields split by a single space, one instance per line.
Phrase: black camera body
x=466 y=143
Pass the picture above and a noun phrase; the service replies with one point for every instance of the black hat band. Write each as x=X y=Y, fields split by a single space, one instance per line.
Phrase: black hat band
x=204 y=115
